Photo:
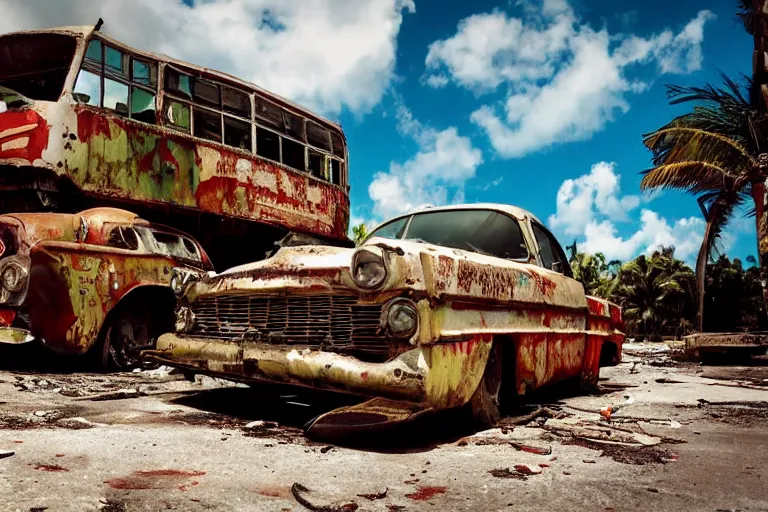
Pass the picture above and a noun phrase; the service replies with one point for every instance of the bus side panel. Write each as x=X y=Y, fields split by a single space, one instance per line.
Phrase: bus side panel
x=121 y=158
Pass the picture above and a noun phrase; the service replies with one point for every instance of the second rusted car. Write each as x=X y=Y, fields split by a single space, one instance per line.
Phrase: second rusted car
x=93 y=281
x=441 y=308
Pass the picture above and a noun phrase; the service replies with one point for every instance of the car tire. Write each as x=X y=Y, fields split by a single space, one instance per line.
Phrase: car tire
x=485 y=404
x=127 y=331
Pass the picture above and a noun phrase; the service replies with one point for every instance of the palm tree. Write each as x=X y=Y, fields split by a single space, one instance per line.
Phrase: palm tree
x=594 y=272
x=715 y=152
x=359 y=233
x=656 y=293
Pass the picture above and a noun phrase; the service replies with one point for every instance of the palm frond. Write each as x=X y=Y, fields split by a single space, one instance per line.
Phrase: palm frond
x=678 y=143
x=693 y=176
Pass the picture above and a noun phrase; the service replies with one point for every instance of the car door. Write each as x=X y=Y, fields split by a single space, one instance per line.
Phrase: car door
x=565 y=347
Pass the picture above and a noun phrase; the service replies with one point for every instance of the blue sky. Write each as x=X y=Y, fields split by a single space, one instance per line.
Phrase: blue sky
x=537 y=103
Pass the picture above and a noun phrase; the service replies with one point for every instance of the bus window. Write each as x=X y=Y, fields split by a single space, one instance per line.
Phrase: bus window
x=142 y=105
x=338 y=145
x=293 y=154
x=116 y=96
x=93 y=53
x=207 y=124
x=88 y=88
x=237 y=133
x=115 y=80
x=206 y=93
x=144 y=74
x=318 y=136
x=115 y=61
x=236 y=102
x=336 y=170
x=294 y=126
x=178 y=115
x=178 y=83
x=317 y=164
x=36 y=65
x=267 y=144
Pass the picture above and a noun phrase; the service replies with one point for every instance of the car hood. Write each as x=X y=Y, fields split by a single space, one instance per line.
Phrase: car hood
x=413 y=267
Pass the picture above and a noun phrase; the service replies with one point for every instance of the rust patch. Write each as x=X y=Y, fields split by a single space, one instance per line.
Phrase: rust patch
x=51 y=468
x=426 y=493
x=24 y=134
x=155 y=479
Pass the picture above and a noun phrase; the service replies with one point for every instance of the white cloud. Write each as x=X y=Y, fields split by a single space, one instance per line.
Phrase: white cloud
x=326 y=54
x=590 y=207
x=563 y=80
x=684 y=234
x=582 y=200
x=435 y=175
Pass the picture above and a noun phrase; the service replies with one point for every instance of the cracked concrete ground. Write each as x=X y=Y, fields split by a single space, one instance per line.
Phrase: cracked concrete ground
x=688 y=437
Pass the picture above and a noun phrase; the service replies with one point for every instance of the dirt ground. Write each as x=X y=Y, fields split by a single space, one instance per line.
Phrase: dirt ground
x=685 y=437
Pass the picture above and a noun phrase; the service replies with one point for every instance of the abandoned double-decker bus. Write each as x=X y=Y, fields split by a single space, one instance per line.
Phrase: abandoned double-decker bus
x=87 y=121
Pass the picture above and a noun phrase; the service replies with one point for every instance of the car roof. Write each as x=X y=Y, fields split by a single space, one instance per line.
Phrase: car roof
x=514 y=211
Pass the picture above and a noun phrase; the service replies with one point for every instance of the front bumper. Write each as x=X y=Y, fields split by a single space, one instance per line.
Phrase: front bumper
x=15 y=336
x=442 y=375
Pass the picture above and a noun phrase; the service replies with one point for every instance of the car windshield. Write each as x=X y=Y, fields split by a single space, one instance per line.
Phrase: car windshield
x=36 y=65
x=170 y=244
x=482 y=231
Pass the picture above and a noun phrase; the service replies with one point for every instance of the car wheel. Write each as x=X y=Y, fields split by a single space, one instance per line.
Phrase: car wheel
x=127 y=333
x=485 y=404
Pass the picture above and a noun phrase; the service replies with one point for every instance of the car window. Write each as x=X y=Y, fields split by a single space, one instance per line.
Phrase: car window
x=171 y=244
x=123 y=238
x=550 y=252
x=393 y=229
x=482 y=231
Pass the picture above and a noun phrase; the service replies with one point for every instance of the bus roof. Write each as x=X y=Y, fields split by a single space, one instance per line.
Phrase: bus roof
x=85 y=31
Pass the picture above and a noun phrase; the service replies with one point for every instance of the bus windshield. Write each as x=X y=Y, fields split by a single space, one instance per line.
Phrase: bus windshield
x=36 y=65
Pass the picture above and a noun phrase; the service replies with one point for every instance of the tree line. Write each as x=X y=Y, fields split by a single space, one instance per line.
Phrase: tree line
x=658 y=292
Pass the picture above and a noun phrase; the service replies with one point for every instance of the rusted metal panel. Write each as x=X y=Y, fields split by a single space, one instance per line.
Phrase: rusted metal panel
x=107 y=155
x=75 y=279
x=74 y=286
x=443 y=375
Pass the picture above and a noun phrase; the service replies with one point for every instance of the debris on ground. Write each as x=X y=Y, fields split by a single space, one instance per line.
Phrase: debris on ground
x=609 y=410
x=6 y=453
x=375 y=496
x=120 y=394
x=497 y=436
x=299 y=491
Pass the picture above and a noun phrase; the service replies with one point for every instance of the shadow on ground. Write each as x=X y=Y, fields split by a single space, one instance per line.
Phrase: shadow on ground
x=292 y=409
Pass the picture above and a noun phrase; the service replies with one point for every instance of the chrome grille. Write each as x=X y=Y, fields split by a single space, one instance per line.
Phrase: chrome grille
x=336 y=323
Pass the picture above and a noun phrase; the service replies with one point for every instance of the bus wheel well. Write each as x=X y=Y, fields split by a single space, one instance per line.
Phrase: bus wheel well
x=609 y=354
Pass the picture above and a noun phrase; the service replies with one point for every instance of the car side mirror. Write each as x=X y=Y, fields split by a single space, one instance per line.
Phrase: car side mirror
x=80 y=97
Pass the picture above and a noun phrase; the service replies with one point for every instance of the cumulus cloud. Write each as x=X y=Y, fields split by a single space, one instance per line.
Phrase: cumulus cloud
x=563 y=80
x=591 y=206
x=326 y=54
x=581 y=200
x=655 y=231
x=435 y=175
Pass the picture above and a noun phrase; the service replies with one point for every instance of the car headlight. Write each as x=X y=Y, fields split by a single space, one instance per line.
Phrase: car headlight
x=181 y=278
x=369 y=270
x=401 y=318
x=14 y=276
x=185 y=319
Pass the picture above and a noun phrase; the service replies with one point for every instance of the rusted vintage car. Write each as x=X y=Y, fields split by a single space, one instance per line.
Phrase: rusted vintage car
x=96 y=281
x=460 y=306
